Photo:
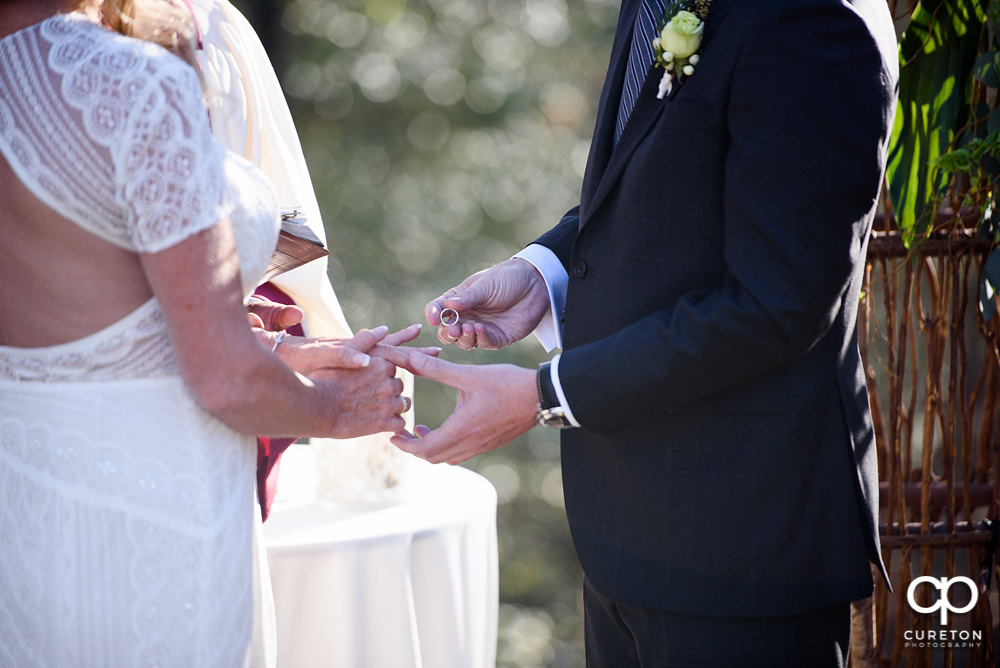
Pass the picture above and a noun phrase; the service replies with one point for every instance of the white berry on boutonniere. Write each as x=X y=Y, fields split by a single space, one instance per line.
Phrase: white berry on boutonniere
x=676 y=47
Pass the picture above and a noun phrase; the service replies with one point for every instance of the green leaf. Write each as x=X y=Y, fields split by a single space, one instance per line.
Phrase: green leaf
x=937 y=53
x=987 y=69
x=993 y=122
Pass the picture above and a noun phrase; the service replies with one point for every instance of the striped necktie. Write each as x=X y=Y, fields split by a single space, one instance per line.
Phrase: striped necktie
x=640 y=57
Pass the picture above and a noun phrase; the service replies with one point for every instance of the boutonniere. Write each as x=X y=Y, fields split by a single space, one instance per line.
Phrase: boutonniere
x=675 y=48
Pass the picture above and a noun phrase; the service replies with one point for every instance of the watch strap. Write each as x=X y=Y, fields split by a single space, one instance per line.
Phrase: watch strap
x=547 y=397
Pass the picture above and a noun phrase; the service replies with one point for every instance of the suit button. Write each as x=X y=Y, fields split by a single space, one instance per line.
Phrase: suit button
x=579 y=268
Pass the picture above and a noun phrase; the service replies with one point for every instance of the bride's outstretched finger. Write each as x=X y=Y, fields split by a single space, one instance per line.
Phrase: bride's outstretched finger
x=366 y=339
x=404 y=335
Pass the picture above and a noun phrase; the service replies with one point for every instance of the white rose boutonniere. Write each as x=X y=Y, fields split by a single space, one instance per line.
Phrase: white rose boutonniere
x=675 y=48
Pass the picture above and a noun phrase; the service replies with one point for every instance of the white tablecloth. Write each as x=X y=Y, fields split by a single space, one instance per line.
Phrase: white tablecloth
x=413 y=585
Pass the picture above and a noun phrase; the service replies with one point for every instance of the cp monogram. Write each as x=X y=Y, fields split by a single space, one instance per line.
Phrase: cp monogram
x=944 y=602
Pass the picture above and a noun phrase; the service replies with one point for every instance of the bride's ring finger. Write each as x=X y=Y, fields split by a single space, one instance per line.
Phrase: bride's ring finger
x=407 y=404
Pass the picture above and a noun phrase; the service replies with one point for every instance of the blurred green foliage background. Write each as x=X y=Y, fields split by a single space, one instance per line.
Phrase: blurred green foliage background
x=442 y=136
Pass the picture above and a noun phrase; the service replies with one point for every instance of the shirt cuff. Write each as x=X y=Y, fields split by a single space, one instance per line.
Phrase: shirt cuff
x=554 y=372
x=549 y=330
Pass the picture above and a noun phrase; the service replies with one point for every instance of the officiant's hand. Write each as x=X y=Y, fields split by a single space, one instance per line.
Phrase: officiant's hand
x=272 y=316
x=497 y=403
x=496 y=307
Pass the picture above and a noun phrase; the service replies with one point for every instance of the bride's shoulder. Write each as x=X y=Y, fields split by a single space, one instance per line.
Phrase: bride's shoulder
x=79 y=43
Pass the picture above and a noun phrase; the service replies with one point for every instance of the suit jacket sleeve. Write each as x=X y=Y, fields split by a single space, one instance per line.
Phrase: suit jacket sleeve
x=560 y=238
x=808 y=110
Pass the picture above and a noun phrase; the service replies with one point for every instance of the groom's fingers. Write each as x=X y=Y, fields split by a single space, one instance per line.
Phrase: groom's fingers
x=450 y=443
x=438 y=369
x=419 y=363
x=401 y=357
x=449 y=335
x=434 y=307
x=463 y=299
x=486 y=337
x=467 y=339
x=436 y=446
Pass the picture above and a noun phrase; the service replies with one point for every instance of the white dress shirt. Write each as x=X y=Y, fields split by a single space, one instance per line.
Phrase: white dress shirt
x=549 y=330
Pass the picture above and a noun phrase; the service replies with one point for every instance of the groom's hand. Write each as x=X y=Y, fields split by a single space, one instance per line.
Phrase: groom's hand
x=496 y=307
x=497 y=403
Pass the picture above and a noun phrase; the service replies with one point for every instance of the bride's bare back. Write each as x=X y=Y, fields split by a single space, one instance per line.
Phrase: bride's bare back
x=58 y=282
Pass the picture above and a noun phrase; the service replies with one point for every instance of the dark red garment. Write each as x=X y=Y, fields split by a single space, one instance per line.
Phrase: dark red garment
x=269 y=450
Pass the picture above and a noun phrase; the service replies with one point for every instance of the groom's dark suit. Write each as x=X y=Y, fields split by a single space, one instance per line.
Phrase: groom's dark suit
x=726 y=465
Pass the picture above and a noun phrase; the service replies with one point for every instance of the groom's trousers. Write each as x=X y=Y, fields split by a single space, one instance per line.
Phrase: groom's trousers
x=625 y=636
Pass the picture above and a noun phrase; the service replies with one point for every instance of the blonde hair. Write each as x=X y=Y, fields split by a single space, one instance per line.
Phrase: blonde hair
x=164 y=22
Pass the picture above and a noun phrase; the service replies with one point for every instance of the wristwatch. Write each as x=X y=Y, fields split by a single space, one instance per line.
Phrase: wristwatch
x=550 y=411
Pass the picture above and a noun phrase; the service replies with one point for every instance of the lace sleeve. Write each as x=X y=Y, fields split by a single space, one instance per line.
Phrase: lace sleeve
x=169 y=168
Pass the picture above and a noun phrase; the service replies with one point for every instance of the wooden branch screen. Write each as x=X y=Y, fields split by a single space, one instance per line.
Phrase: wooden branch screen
x=934 y=380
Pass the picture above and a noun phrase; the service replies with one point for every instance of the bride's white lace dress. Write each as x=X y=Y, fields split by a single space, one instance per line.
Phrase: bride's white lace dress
x=125 y=509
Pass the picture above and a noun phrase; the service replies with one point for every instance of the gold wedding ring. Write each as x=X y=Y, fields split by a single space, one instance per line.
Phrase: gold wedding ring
x=449 y=317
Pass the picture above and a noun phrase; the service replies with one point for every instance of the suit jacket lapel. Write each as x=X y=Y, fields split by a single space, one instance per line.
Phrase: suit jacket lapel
x=645 y=112
x=602 y=143
x=606 y=160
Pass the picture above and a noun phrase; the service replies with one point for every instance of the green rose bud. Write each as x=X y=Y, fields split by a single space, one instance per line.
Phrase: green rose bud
x=682 y=34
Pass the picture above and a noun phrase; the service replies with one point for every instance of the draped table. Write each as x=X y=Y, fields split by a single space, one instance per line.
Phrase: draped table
x=410 y=585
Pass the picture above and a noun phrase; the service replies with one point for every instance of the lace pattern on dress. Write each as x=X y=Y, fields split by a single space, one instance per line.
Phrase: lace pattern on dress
x=101 y=132
x=125 y=516
x=104 y=130
x=136 y=346
x=177 y=532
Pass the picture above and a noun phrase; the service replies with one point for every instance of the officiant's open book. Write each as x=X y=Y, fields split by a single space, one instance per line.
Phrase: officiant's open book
x=297 y=244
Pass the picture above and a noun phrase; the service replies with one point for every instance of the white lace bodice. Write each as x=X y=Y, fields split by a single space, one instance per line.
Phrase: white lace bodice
x=113 y=134
x=126 y=520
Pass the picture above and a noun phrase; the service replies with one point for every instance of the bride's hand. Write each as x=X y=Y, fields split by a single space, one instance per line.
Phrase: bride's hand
x=368 y=399
x=308 y=355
